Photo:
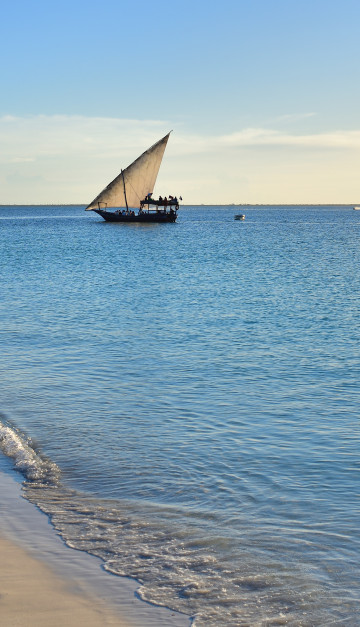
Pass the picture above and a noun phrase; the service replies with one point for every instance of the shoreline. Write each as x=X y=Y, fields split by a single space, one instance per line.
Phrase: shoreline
x=48 y=578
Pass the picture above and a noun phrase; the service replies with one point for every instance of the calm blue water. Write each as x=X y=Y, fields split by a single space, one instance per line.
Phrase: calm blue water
x=183 y=400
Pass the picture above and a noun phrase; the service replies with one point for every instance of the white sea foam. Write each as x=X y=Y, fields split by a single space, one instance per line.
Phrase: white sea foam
x=26 y=459
x=175 y=565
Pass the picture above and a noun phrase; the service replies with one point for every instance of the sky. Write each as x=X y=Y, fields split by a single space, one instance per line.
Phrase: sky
x=262 y=97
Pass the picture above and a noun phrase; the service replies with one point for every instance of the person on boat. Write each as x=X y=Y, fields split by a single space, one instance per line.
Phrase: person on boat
x=160 y=199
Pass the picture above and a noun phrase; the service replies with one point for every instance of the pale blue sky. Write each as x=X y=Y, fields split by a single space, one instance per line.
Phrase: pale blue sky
x=263 y=97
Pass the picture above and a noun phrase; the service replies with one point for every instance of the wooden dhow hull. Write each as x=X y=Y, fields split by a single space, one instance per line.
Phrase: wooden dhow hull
x=153 y=217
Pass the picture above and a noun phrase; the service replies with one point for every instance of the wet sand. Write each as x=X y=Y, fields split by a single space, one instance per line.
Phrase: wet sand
x=44 y=582
x=31 y=595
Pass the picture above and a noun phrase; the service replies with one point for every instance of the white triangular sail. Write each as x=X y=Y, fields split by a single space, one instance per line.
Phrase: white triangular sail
x=136 y=181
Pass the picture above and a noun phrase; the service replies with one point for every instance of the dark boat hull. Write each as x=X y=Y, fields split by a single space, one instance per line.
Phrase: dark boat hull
x=110 y=216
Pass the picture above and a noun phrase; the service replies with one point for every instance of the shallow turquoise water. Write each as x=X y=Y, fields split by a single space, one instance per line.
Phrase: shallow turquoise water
x=191 y=394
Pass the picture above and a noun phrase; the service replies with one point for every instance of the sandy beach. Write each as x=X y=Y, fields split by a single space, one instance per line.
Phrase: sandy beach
x=32 y=595
x=44 y=582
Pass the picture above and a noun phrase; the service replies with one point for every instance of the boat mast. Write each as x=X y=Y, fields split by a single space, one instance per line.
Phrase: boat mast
x=127 y=208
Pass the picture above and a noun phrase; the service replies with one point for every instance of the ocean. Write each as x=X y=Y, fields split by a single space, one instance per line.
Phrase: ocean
x=183 y=399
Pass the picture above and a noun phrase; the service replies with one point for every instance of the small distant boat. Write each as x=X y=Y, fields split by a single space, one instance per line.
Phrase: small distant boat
x=356 y=208
x=132 y=190
x=240 y=216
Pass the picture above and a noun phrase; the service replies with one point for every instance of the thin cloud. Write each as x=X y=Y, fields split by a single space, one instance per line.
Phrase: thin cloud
x=265 y=137
x=257 y=137
x=38 y=137
x=70 y=158
x=42 y=136
x=22 y=160
x=294 y=117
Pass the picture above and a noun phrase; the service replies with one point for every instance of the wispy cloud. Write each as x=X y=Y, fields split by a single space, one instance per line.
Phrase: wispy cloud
x=30 y=138
x=70 y=158
x=47 y=136
x=293 y=117
x=266 y=137
x=257 y=137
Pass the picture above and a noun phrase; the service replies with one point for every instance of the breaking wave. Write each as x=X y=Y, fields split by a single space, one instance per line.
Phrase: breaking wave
x=26 y=460
x=177 y=559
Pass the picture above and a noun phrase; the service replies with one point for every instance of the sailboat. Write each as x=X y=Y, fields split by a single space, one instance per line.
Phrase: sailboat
x=130 y=193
